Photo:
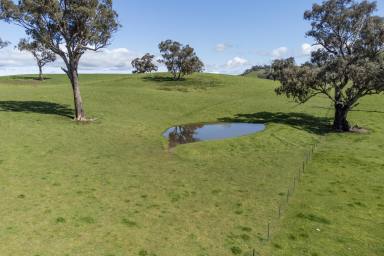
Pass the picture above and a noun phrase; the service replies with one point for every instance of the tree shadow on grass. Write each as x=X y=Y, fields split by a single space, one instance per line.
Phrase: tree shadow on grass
x=162 y=79
x=40 y=107
x=302 y=121
x=35 y=78
x=356 y=110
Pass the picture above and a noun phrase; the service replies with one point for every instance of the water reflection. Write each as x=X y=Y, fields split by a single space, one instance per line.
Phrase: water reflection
x=190 y=133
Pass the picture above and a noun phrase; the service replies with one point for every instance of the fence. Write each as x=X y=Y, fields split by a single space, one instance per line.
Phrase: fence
x=273 y=220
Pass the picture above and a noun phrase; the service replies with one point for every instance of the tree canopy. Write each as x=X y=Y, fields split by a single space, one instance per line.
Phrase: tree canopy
x=66 y=27
x=261 y=71
x=348 y=63
x=41 y=54
x=180 y=60
x=144 y=64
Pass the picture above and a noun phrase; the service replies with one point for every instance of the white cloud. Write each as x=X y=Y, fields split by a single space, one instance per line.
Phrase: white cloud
x=234 y=66
x=307 y=49
x=222 y=47
x=236 y=62
x=15 y=58
x=279 y=52
x=117 y=60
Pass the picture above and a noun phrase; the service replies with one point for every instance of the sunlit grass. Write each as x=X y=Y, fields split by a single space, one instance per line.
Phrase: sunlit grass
x=112 y=187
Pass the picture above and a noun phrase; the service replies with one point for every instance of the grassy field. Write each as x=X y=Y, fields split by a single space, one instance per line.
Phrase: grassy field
x=113 y=188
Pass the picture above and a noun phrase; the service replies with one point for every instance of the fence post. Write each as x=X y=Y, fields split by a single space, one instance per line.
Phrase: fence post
x=288 y=196
x=299 y=175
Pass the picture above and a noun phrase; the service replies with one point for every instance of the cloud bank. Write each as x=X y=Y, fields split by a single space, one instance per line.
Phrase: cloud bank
x=307 y=49
x=118 y=60
x=280 y=52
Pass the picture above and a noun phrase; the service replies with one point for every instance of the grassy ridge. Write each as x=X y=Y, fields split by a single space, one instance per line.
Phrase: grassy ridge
x=113 y=188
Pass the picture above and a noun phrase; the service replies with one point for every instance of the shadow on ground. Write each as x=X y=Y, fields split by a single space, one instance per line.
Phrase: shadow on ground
x=40 y=107
x=162 y=79
x=167 y=83
x=355 y=110
x=35 y=78
x=302 y=121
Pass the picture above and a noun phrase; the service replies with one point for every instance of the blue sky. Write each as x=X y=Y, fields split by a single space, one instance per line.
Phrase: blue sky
x=228 y=35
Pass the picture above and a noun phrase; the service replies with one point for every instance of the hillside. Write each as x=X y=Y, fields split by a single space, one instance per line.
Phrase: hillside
x=112 y=187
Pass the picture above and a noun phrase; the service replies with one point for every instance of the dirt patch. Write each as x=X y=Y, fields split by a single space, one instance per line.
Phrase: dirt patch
x=357 y=129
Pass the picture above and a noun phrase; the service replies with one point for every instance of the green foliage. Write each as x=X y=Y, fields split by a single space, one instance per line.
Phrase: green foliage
x=144 y=64
x=348 y=63
x=68 y=28
x=262 y=72
x=41 y=54
x=180 y=60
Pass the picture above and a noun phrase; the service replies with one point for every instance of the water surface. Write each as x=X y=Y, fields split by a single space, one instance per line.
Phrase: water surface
x=190 y=133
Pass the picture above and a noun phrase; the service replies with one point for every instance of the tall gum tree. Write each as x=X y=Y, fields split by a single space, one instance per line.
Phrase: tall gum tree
x=348 y=63
x=68 y=28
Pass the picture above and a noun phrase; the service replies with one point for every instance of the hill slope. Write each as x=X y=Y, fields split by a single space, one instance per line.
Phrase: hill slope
x=112 y=187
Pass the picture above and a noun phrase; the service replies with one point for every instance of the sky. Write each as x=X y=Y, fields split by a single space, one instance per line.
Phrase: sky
x=229 y=36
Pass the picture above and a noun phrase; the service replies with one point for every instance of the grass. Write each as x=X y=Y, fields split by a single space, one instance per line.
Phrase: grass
x=112 y=187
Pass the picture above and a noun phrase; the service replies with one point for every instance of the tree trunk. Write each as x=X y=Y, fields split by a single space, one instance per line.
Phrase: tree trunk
x=340 y=122
x=174 y=73
x=41 y=73
x=79 y=109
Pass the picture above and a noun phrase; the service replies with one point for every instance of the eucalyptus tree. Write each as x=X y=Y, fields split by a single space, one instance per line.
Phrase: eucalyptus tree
x=68 y=28
x=348 y=63
x=144 y=64
x=41 y=54
x=180 y=60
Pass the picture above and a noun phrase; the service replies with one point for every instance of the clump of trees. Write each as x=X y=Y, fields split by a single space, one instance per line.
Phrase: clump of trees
x=41 y=54
x=180 y=60
x=262 y=71
x=349 y=63
x=68 y=28
x=144 y=64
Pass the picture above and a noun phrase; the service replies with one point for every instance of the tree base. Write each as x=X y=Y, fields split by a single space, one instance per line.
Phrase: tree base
x=340 y=123
x=81 y=119
x=341 y=129
x=84 y=120
x=357 y=129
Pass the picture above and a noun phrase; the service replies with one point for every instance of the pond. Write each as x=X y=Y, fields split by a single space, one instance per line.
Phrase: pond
x=190 y=133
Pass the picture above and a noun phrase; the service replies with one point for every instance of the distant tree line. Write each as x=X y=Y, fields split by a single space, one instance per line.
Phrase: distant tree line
x=261 y=71
x=179 y=60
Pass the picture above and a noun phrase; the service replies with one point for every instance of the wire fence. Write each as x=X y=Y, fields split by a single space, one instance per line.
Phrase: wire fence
x=274 y=220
